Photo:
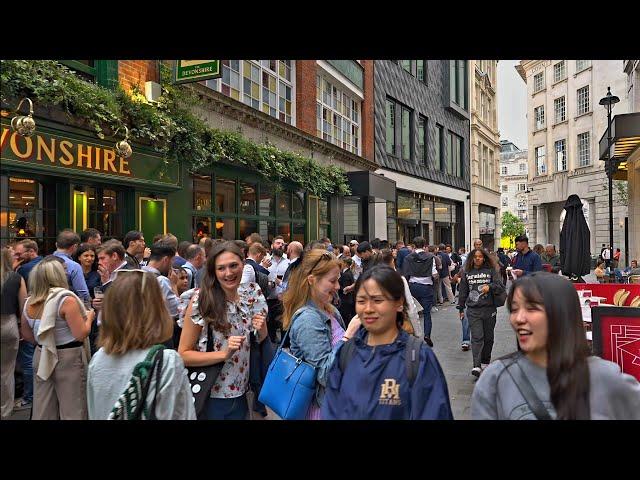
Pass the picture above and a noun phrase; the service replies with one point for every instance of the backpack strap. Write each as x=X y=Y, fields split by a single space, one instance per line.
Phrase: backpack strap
x=158 y=366
x=524 y=386
x=412 y=357
x=346 y=354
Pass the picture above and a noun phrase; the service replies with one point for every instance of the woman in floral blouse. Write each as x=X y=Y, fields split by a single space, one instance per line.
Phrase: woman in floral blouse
x=234 y=311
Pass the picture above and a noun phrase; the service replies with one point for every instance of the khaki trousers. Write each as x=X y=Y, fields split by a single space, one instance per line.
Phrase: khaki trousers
x=63 y=396
x=10 y=338
x=447 y=287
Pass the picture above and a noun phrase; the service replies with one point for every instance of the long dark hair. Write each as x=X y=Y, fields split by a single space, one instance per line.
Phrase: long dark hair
x=567 y=348
x=213 y=302
x=390 y=282
x=488 y=260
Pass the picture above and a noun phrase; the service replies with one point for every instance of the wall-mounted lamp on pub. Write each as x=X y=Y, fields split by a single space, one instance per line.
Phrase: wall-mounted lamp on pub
x=122 y=148
x=25 y=125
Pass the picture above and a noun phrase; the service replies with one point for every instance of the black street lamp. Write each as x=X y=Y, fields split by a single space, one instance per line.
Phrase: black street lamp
x=608 y=102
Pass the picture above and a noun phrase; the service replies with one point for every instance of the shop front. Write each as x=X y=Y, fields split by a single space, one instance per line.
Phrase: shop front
x=487 y=226
x=65 y=177
x=438 y=220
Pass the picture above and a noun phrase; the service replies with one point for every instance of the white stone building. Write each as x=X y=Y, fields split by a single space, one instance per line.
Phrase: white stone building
x=564 y=124
x=513 y=180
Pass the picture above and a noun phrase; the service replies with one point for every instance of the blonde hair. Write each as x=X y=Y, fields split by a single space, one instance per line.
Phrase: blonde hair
x=47 y=274
x=134 y=317
x=6 y=265
x=299 y=290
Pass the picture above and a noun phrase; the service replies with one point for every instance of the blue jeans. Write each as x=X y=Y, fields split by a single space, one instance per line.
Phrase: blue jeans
x=25 y=357
x=227 y=408
x=424 y=295
x=466 y=335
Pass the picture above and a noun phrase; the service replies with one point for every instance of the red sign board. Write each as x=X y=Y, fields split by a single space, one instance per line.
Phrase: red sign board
x=616 y=337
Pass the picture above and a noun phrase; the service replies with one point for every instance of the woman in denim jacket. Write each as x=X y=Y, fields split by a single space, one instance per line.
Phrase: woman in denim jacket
x=317 y=329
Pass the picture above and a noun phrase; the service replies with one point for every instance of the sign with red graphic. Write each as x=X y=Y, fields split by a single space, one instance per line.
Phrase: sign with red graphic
x=616 y=337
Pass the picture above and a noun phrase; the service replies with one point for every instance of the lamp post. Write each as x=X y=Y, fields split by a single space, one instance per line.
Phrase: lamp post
x=608 y=102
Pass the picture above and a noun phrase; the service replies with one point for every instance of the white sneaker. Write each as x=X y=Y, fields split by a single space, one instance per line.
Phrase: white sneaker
x=476 y=371
x=434 y=309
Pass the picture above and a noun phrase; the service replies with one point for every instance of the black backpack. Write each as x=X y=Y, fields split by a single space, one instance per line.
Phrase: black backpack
x=411 y=355
x=416 y=265
x=262 y=279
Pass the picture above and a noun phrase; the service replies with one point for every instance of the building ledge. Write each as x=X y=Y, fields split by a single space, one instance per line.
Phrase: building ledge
x=560 y=123
x=543 y=129
x=227 y=106
x=565 y=79
x=590 y=67
x=539 y=91
x=585 y=114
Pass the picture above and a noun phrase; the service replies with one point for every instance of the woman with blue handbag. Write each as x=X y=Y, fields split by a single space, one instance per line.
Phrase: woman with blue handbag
x=314 y=326
x=231 y=313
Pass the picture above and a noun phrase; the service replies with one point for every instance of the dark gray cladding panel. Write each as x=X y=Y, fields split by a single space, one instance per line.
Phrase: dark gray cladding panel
x=429 y=100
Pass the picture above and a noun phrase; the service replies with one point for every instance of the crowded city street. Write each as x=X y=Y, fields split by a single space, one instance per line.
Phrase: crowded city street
x=320 y=240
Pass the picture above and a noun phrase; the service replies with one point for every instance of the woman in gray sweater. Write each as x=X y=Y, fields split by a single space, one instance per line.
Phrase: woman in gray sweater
x=554 y=362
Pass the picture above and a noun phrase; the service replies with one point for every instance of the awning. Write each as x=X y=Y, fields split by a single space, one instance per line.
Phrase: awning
x=368 y=184
x=625 y=139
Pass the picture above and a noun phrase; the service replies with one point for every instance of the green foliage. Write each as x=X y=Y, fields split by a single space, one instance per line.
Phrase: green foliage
x=512 y=226
x=622 y=188
x=170 y=126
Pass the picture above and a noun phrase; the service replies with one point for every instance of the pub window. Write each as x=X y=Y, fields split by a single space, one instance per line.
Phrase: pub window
x=201 y=192
x=27 y=210
x=102 y=72
x=225 y=195
x=105 y=211
x=247 y=199
x=324 y=222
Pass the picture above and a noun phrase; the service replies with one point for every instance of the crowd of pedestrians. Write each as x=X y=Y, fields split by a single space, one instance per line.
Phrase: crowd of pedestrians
x=182 y=330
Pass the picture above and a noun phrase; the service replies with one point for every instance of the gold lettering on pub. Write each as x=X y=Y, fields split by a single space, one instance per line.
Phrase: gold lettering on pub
x=50 y=150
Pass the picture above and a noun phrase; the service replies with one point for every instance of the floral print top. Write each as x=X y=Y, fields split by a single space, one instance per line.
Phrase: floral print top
x=233 y=380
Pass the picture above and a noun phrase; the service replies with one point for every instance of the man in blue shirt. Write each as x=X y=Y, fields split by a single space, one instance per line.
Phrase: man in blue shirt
x=27 y=252
x=67 y=244
x=526 y=261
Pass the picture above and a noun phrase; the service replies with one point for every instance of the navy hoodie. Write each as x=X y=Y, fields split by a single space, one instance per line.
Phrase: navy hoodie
x=374 y=385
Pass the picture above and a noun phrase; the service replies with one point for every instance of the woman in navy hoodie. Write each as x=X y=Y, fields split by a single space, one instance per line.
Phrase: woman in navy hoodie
x=371 y=378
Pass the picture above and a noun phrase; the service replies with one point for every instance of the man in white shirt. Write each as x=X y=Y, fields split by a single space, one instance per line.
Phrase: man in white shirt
x=279 y=263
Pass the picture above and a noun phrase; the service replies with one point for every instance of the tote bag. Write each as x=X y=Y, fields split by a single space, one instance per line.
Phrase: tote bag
x=290 y=383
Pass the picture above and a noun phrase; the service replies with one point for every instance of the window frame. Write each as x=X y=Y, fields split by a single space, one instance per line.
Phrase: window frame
x=565 y=163
x=583 y=107
x=584 y=152
x=104 y=72
x=560 y=106
x=585 y=66
x=542 y=84
x=541 y=167
x=349 y=116
x=559 y=71
x=539 y=112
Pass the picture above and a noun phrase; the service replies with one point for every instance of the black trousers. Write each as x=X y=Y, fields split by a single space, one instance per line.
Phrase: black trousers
x=274 y=318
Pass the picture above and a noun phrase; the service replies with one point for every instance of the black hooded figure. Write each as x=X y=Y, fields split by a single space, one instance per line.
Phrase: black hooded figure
x=575 y=254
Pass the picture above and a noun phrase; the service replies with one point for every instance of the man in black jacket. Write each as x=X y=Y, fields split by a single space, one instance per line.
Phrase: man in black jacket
x=419 y=267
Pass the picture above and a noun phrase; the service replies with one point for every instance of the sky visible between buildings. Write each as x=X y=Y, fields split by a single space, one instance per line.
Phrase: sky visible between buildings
x=512 y=104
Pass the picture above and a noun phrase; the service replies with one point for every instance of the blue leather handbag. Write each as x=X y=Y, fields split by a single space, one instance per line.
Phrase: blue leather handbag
x=290 y=384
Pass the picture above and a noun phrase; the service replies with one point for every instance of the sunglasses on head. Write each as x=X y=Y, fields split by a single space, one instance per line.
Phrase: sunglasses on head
x=325 y=255
x=144 y=277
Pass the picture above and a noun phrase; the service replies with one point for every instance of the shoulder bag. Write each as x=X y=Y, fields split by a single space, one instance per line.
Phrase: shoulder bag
x=290 y=383
x=524 y=386
x=203 y=378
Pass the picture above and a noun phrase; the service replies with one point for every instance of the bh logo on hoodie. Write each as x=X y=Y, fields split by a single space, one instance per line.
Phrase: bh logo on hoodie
x=390 y=392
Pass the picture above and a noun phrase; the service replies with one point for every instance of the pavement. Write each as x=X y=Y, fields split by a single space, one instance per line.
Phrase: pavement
x=456 y=364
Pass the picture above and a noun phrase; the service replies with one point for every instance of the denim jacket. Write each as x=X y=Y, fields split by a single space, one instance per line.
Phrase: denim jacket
x=311 y=341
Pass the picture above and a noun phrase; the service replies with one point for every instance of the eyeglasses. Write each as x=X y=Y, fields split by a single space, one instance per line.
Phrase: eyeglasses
x=144 y=277
x=325 y=255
